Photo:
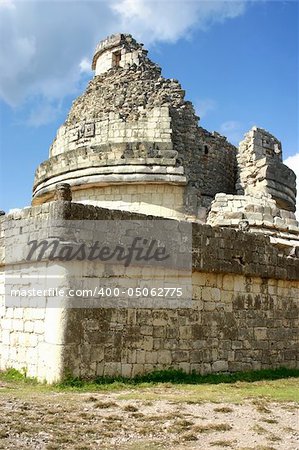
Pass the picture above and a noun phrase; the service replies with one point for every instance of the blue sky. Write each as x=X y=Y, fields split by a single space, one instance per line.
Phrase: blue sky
x=237 y=61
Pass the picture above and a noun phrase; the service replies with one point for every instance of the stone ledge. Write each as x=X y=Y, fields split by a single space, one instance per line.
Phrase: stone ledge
x=105 y=155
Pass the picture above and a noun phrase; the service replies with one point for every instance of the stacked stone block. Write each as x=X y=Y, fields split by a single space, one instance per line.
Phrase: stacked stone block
x=261 y=215
x=260 y=169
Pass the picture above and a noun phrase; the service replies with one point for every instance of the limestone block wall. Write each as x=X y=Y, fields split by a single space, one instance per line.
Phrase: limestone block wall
x=116 y=56
x=118 y=50
x=31 y=337
x=243 y=314
x=148 y=125
x=217 y=162
x=153 y=199
x=236 y=323
x=107 y=164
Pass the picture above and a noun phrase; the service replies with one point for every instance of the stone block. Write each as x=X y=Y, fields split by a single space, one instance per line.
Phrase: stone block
x=180 y=356
x=137 y=369
x=260 y=333
x=164 y=357
x=185 y=367
x=126 y=370
x=185 y=332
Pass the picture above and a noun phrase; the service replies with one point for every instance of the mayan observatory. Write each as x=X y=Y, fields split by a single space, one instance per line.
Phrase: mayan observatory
x=131 y=159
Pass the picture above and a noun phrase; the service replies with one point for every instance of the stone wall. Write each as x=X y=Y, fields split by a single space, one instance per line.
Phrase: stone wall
x=243 y=314
x=30 y=337
x=236 y=323
x=120 y=50
x=155 y=199
x=117 y=50
x=148 y=125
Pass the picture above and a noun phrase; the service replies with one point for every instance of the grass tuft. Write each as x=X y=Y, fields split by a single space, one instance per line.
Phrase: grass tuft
x=130 y=408
x=210 y=428
x=223 y=409
x=105 y=405
x=162 y=376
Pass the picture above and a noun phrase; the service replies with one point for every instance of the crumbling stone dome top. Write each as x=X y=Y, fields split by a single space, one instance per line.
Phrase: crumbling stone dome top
x=115 y=40
x=132 y=125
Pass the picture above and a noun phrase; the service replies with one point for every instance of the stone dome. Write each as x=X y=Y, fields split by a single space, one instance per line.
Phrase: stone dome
x=133 y=142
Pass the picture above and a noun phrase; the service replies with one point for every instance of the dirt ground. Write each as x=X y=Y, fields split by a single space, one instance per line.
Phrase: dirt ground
x=151 y=418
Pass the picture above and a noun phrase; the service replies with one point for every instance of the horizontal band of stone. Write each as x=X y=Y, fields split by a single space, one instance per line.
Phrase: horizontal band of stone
x=85 y=158
x=91 y=178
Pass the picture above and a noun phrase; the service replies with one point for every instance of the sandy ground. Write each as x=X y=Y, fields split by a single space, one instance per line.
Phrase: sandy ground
x=116 y=420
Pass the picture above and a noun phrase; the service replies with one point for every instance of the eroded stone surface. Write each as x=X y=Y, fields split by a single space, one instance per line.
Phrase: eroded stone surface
x=260 y=169
x=132 y=119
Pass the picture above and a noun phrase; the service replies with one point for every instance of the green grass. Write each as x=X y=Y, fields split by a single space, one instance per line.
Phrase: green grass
x=16 y=375
x=180 y=377
x=176 y=386
x=163 y=376
x=275 y=390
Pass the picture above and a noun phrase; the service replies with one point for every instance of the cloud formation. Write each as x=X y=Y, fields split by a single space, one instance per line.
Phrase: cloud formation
x=42 y=45
x=204 y=106
x=293 y=163
x=45 y=47
x=233 y=130
x=171 y=20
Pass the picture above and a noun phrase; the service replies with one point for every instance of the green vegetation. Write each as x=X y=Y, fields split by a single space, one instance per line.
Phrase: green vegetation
x=180 y=377
x=277 y=384
x=15 y=375
x=163 y=376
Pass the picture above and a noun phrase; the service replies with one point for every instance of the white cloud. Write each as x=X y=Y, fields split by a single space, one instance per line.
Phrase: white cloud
x=171 y=20
x=204 y=106
x=233 y=130
x=85 y=66
x=293 y=163
x=7 y=4
x=43 y=43
x=44 y=113
x=45 y=46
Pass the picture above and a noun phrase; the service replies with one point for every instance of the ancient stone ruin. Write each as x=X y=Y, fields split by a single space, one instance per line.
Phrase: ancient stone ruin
x=132 y=148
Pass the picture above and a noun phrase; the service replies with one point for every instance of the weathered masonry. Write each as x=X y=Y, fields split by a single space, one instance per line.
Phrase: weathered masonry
x=131 y=149
x=244 y=312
